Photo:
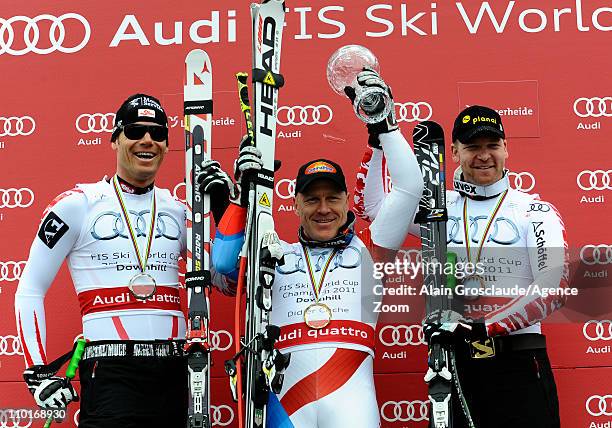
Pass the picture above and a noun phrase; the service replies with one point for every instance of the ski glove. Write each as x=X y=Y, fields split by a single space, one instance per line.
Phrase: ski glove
x=247 y=165
x=369 y=78
x=214 y=181
x=51 y=393
x=451 y=327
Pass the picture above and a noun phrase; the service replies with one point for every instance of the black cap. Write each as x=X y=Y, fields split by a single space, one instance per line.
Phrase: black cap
x=316 y=169
x=475 y=121
x=137 y=108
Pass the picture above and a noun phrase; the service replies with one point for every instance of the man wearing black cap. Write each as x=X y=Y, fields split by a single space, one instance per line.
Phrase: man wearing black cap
x=516 y=243
x=322 y=296
x=122 y=238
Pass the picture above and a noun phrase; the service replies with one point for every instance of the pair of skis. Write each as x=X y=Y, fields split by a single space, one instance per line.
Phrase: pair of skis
x=428 y=139
x=261 y=252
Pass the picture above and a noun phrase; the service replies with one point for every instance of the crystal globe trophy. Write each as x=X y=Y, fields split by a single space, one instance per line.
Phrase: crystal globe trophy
x=371 y=104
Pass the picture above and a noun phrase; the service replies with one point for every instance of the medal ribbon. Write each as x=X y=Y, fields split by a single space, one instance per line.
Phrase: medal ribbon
x=317 y=287
x=142 y=261
x=466 y=226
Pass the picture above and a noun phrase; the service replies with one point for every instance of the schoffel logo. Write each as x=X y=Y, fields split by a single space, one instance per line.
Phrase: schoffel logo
x=216 y=340
x=10 y=345
x=593 y=107
x=412 y=112
x=94 y=122
x=522 y=181
x=304 y=115
x=16 y=198
x=31 y=34
x=285 y=188
x=222 y=415
x=596 y=254
x=404 y=411
x=595 y=180
x=402 y=335
x=11 y=271
x=181 y=187
x=597 y=330
x=412 y=256
x=13 y=126
x=538 y=207
x=11 y=418
x=599 y=405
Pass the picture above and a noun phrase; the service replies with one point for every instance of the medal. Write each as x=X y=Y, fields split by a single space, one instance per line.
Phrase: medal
x=477 y=281
x=142 y=285
x=317 y=315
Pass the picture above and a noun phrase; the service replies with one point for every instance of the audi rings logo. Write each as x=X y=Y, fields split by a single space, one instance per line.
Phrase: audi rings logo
x=404 y=411
x=596 y=254
x=412 y=112
x=221 y=416
x=401 y=335
x=304 y=115
x=11 y=418
x=593 y=107
x=220 y=340
x=13 y=126
x=522 y=181
x=599 y=405
x=31 y=34
x=11 y=271
x=597 y=330
x=285 y=188
x=179 y=192
x=412 y=256
x=16 y=198
x=594 y=180
x=95 y=122
x=10 y=345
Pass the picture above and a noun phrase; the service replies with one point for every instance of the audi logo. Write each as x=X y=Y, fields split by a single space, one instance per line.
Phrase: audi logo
x=11 y=271
x=594 y=180
x=11 y=418
x=593 y=107
x=401 y=335
x=599 y=405
x=182 y=188
x=405 y=411
x=16 y=198
x=13 y=126
x=304 y=115
x=31 y=34
x=10 y=345
x=412 y=256
x=597 y=330
x=412 y=112
x=95 y=122
x=596 y=254
x=522 y=181
x=217 y=342
x=285 y=188
x=221 y=416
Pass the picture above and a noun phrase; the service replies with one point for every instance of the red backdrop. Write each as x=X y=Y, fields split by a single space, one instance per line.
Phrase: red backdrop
x=66 y=65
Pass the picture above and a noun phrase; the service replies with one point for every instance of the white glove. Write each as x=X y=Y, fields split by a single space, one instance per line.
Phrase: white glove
x=55 y=393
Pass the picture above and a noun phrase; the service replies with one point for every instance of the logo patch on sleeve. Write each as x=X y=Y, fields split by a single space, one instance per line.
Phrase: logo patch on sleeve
x=52 y=229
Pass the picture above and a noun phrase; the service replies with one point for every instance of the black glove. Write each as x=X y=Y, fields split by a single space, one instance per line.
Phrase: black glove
x=451 y=327
x=52 y=392
x=214 y=181
x=369 y=78
x=247 y=165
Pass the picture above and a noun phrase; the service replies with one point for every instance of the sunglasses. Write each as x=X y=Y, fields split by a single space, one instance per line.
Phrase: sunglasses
x=136 y=132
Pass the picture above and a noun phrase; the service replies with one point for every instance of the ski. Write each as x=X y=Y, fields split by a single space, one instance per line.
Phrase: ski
x=428 y=139
x=198 y=110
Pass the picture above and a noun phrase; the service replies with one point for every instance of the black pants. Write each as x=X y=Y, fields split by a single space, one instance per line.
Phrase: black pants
x=128 y=392
x=515 y=389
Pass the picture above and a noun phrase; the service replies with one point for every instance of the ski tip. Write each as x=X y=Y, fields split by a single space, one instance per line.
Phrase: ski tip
x=428 y=130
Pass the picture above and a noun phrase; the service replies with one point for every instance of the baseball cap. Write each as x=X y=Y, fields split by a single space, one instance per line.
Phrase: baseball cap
x=136 y=108
x=316 y=169
x=477 y=120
